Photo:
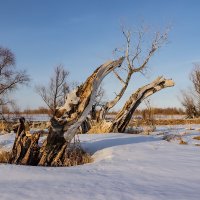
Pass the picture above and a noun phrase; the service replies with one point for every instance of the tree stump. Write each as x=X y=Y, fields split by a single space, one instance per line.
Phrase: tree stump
x=25 y=149
x=58 y=152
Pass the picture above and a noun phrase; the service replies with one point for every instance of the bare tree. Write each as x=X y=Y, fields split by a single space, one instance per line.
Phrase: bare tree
x=137 y=52
x=10 y=77
x=189 y=105
x=195 y=78
x=191 y=98
x=55 y=92
x=136 y=56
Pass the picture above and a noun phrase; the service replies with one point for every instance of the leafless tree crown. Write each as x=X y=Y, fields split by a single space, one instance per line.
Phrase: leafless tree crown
x=10 y=77
x=191 y=98
x=55 y=92
x=136 y=56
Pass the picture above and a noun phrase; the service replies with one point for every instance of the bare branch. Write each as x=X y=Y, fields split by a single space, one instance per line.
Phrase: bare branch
x=157 y=42
x=117 y=75
x=54 y=94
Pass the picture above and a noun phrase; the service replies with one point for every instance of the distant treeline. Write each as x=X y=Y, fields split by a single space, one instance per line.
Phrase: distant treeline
x=160 y=111
x=166 y=111
x=40 y=110
x=155 y=111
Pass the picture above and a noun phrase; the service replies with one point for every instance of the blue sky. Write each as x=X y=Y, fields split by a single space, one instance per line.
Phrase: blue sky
x=81 y=35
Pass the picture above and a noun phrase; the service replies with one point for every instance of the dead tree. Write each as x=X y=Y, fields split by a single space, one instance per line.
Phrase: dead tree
x=136 y=60
x=123 y=118
x=64 y=125
x=188 y=101
x=191 y=98
x=133 y=54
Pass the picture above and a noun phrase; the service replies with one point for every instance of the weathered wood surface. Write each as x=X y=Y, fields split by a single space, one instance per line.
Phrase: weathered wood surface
x=25 y=149
x=122 y=119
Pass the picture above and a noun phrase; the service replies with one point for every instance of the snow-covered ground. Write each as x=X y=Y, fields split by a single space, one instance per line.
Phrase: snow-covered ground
x=125 y=167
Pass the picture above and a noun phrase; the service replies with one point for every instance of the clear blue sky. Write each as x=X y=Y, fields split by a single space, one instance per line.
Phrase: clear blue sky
x=82 y=34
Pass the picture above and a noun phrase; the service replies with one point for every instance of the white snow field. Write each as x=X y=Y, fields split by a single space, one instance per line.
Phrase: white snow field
x=125 y=167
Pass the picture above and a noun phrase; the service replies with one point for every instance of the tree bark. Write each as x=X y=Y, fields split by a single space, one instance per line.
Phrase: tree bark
x=123 y=118
x=25 y=149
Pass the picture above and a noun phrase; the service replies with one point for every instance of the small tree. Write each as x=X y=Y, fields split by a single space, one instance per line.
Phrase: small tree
x=55 y=92
x=191 y=98
x=10 y=77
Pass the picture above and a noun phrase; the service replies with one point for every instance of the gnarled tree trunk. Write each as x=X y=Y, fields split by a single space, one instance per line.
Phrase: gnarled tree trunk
x=25 y=149
x=123 y=118
x=55 y=150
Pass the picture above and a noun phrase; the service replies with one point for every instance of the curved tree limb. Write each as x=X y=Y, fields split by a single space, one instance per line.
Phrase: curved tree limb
x=122 y=119
x=69 y=117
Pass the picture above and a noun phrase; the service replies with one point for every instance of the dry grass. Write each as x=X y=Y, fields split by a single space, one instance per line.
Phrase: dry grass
x=101 y=127
x=168 y=122
x=196 y=138
x=72 y=155
x=75 y=155
x=182 y=142
x=4 y=156
x=3 y=127
x=6 y=127
x=177 y=121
